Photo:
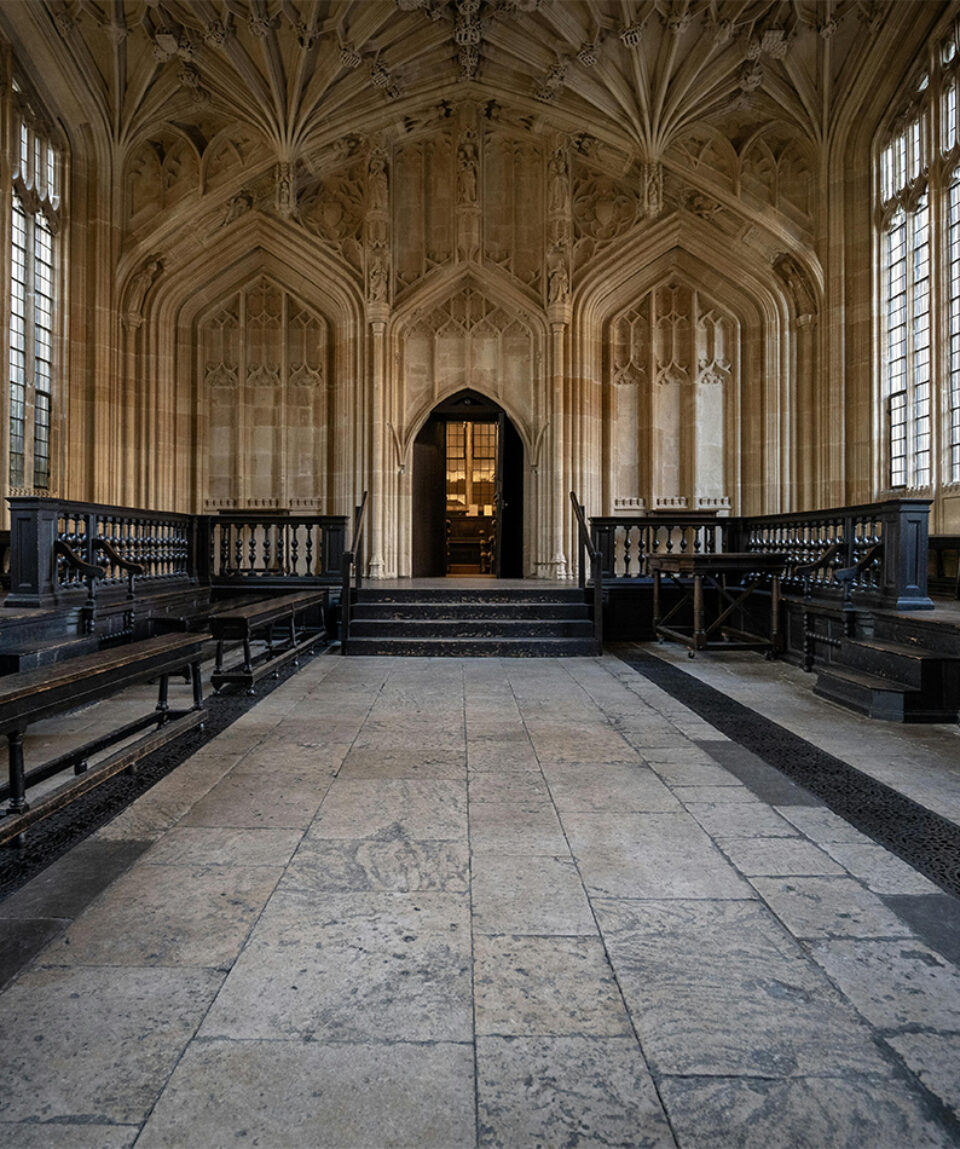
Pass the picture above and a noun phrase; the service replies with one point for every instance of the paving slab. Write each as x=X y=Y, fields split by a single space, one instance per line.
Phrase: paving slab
x=311 y=1096
x=567 y=1091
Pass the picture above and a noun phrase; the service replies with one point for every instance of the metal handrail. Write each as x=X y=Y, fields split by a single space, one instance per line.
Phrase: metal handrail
x=351 y=562
x=586 y=548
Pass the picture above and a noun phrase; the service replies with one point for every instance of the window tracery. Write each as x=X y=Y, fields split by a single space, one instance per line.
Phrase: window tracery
x=33 y=298
x=918 y=218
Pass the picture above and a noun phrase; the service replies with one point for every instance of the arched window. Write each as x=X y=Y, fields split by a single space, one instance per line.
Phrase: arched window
x=918 y=213
x=34 y=165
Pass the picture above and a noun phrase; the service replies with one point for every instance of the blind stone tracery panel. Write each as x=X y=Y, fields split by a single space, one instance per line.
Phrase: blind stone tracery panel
x=672 y=362
x=263 y=363
x=469 y=341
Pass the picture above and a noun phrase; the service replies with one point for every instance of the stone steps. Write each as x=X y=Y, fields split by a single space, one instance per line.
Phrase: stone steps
x=891 y=680
x=469 y=623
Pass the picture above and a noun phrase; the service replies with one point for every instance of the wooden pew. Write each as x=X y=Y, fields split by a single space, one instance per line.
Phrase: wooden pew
x=52 y=690
x=243 y=623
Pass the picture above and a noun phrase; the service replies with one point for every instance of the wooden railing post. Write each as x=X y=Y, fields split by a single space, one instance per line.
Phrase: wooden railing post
x=905 y=554
x=346 y=569
x=200 y=562
x=333 y=541
x=581 y=555
x=33 y=533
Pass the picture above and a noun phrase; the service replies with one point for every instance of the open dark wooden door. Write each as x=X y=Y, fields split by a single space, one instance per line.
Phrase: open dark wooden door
x=429 y=501
x=510 y=508
x=498 y=499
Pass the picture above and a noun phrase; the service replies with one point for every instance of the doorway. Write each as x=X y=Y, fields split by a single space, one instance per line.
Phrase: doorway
x=468 y=492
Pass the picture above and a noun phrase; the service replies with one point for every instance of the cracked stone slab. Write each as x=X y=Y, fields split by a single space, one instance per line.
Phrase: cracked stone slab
x=750 y=1003
x=351 y=967
x=583 y=1091
x=819 y=907
x=935 y=1059
x=387 y=861
x=895 y=983
x=96 y=1042
x=872 y=1110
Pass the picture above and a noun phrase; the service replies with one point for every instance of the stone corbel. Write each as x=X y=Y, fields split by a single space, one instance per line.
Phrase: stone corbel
x=559 y=313
x=538 y=446
x=398 y=447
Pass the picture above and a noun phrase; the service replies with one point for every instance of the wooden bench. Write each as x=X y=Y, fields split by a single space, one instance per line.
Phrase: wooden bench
x=243 y=623
x=51 y=690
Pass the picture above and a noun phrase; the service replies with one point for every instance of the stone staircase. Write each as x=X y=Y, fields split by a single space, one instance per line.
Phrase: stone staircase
x=453 y=622
x=899 y=674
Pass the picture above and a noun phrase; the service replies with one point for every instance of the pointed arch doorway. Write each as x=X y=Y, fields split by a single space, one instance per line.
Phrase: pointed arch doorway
x=468 y=491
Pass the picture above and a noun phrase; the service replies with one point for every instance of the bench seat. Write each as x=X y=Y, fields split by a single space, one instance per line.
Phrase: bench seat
x=52 y=690
x=244 y=622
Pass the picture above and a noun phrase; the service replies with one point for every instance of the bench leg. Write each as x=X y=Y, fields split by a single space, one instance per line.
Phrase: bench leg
x=247 y=657
x=270 y=640
x=162 y=704
x=197 y=683
x=218 y=665
x=293 y=637
x=18 y=789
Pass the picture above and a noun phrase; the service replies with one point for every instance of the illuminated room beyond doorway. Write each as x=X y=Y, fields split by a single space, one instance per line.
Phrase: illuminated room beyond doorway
x=468 y=492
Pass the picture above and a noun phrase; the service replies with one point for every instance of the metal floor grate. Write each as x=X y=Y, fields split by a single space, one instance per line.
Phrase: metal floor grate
x=924 y=839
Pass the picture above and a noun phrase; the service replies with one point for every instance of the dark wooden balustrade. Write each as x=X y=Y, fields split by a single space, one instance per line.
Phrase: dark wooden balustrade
x=156 y=550
x=162 y=546
x=896 y=579
x=273 y=549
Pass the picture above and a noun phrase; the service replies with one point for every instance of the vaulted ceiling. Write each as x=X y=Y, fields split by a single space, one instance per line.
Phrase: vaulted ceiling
x=301 y=72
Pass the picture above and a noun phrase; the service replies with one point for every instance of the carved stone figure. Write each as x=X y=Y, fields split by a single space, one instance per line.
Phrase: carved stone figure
x=238 y=206
x=558 y=285
x=558 y=183
x=377 y=187
x=468 y=162
x=378 y=280
x=140 y=284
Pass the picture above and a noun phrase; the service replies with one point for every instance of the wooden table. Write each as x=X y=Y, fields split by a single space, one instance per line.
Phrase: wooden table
x=744 y=569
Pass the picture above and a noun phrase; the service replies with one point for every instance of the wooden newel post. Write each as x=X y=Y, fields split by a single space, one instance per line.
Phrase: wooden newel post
x=334 y=541
x=33 y=533
x=905 y=551
x=200 y=561
x=581 y=555
x=346 y=568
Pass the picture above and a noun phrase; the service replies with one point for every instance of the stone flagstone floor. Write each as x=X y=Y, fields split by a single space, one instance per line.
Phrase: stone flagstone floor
x=481 y=902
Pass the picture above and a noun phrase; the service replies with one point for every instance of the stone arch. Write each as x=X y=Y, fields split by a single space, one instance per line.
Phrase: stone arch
x=162 y=170
x=760 y=417
x=164 y=377
x=462 y=328
x=234 y=151
x=499 y=301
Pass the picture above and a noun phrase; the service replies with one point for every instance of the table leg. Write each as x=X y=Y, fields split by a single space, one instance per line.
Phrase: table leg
x=699 y=636
x=656 y=602
x=775 y=616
